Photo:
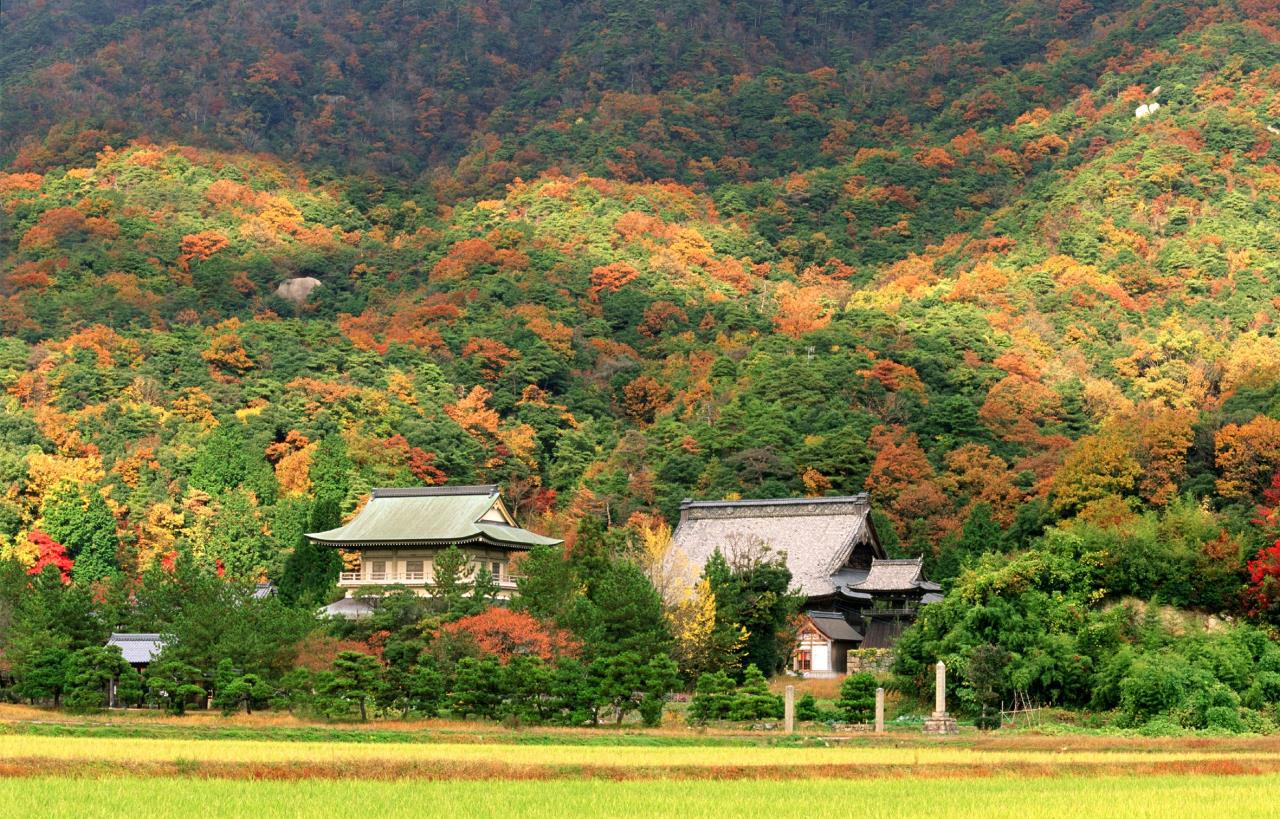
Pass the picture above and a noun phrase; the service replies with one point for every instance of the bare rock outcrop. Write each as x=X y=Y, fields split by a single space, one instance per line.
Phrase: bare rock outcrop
x=297 y=290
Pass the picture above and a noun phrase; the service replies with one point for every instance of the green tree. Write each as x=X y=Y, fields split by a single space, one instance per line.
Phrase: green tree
x=661 y=676
x=311 y=570
x=620 y=612
x=712 y=697
x=248 y=690
x=235 y=540
x=294 y=691
x=227 y=460
x=477 y=688
x=449 y=576
x=41 y=674
x=173 y=684
x=857 y=701
x=981 y=533
x=527 y=683
x=352 y=683
x=753 y=700
x=129 y=688
x=82 y=523
x=548 y=585
x=754 y=593
x=89 y=673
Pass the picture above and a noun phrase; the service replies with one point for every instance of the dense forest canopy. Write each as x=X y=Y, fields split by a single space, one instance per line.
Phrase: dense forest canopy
x=612 y=255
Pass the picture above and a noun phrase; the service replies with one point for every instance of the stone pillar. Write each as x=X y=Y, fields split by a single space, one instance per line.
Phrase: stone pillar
x=790 y=713
x=940 y=722
x=879 y=710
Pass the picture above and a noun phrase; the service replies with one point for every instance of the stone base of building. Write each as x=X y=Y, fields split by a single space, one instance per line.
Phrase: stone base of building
x=941 y=724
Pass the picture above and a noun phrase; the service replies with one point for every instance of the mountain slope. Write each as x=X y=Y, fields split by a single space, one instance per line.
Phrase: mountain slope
x=955 y=269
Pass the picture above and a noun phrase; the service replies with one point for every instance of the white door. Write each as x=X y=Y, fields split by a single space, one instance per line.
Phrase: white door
x=821 y=657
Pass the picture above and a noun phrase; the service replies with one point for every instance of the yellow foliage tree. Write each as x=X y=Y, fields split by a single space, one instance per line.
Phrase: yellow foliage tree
x=1098 y=467
x=693 y=624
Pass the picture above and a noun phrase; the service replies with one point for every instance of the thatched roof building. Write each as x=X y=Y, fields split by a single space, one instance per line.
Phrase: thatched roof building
x=829 y=542
x=836 y=561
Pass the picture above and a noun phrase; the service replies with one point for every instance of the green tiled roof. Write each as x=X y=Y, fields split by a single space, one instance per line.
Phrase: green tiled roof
x=431 y=515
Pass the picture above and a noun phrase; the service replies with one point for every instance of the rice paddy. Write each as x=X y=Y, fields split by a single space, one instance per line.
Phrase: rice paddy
x=91 y=768
x=1156 y=796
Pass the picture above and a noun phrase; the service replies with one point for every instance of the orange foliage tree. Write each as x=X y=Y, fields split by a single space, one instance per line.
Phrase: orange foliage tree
x=801 y=310
x=1247 y=456
x=643 y=397
x=505 y=635
x=200 y=246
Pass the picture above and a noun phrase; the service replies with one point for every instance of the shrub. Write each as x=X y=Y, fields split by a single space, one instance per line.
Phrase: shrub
x=807 y=708
x=1224 y=718
x=1154 y=684
x=1264 y=691
x=1209 y=696
x=754 y=700
x=857 y=701
x=712 y=698
x=1255 y=722
x=1161 y=726
x=988 y=719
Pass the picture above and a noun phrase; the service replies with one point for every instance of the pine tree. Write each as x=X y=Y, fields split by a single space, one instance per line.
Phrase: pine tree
x=857 y=701
x=450 y=578
x=311 y=570
x=754 y=700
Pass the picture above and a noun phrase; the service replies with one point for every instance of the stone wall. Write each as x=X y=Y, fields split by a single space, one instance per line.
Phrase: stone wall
x=875 y=660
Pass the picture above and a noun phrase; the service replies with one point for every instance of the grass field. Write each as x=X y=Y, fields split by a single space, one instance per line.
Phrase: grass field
x=552 y=761
x=51 y=765
x=1156 y=796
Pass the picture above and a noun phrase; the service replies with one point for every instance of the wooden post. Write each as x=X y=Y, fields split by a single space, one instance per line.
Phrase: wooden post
x=790 y=712
x=879 y=710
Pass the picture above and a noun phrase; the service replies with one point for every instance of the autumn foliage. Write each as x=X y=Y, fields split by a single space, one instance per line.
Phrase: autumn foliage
x=505 y=634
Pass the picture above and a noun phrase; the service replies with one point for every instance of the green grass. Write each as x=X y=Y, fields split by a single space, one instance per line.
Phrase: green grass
x=1156 y=796
x=607 y=736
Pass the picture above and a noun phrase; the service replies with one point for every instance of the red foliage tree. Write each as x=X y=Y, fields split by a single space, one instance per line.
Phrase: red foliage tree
x=51 y=553
x=1262 y=593
x=419 y=462
x=506 y=634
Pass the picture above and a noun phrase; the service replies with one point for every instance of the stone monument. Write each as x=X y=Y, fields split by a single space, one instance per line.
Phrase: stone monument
x=940 y=722
x=790 y=712
x=879 y=710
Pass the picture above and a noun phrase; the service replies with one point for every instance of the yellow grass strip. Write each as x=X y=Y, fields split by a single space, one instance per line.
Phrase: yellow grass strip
x=999 y=797
x=107 y=749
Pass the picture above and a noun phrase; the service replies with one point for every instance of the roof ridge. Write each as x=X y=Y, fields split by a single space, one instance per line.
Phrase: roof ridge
x=690 y=503
x=434 y=491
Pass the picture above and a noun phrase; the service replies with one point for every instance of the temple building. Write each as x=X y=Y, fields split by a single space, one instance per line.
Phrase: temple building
x=394 y=539
x=856 y=597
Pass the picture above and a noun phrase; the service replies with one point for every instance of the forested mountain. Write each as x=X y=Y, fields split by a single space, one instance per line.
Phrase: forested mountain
x=612 y=255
